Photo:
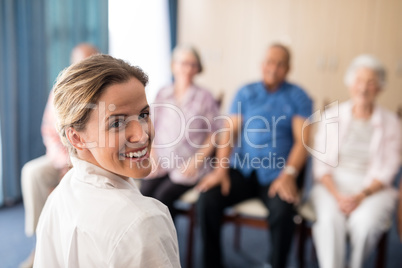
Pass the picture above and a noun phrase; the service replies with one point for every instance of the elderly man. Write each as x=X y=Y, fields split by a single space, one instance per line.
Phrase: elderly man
x=266 y=121
x=41 y=175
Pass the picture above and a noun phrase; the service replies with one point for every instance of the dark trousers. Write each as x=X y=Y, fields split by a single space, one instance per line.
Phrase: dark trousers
x=164 y=190
x=212 y=203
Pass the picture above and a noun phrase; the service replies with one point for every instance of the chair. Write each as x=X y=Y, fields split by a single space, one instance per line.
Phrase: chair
x=251 y=212
x=398 y=184
x=308 y=216
x=186 y=207
x=400 y=212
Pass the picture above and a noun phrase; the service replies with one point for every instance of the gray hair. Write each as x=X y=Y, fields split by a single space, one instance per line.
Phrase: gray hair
x=365 y=61
x=285 y=49
x=187 y=48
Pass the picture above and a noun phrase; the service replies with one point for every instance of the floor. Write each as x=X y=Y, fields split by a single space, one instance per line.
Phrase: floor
x=15 y=246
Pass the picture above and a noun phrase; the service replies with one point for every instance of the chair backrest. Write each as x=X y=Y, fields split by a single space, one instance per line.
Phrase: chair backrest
x=308 y=180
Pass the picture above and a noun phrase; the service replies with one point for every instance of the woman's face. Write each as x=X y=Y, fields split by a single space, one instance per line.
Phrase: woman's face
x=185 y=66
x=365 y=87
x=119 y=132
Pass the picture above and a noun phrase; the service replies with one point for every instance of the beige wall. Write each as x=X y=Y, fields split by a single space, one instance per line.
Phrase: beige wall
x=324 y=35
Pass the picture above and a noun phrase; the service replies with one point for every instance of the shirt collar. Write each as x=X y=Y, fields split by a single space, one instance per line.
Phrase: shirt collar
x=375 y=119
x=281 y=87
x=169 y=93
x=97 y=176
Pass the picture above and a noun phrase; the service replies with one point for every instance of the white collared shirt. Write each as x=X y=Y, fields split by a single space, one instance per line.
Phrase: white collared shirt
x=95 y=218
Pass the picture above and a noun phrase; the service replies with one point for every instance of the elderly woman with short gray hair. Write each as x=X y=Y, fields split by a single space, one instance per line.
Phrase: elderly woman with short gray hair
x=353 y=194
x=184 y=119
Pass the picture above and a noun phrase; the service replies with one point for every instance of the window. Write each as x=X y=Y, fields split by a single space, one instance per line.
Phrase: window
x=139 y=33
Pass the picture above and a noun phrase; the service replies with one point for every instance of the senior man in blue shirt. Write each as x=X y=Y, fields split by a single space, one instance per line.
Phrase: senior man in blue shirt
x=260 y=154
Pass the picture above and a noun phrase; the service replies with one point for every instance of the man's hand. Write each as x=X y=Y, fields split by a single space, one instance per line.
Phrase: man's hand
x=215 y=178
x=285 y=187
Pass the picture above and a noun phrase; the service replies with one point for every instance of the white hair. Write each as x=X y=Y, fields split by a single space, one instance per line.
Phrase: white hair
x=365 y=61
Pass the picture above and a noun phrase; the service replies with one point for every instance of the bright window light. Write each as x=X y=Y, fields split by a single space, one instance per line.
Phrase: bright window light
x=139 y=33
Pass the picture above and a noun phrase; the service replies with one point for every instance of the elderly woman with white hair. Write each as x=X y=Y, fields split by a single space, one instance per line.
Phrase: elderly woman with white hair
x=353 y=195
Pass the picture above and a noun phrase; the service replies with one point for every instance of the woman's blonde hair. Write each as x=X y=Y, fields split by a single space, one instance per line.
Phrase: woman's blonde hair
x=79 y=87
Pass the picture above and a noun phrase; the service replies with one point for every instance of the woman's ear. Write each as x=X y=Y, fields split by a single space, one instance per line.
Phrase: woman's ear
x=75 y=139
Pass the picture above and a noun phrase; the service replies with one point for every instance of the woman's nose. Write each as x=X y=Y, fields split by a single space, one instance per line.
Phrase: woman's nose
x=364 y=88
x=137 y=132
x=361 y=87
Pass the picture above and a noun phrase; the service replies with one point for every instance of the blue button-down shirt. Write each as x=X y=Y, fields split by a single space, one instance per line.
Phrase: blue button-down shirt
x=266 y=134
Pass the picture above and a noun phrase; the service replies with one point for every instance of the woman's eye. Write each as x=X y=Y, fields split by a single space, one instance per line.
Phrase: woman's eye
x=144 y=115
x=117 y=124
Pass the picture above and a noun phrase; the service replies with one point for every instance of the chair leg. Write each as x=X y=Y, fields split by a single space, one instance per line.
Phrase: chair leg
x=303 y=233
x=301 y=243
x=313 y=253
x=190 y=237
x=382 y=250
x=237 y=230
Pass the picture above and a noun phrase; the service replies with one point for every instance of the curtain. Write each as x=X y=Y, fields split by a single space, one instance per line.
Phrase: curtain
x=1 y=172
x=36 y=38
x=23 y=89
x=173 y=23
x=69 y=23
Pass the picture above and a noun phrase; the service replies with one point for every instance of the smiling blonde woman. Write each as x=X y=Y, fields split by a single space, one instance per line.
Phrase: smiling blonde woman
x=97 y=217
